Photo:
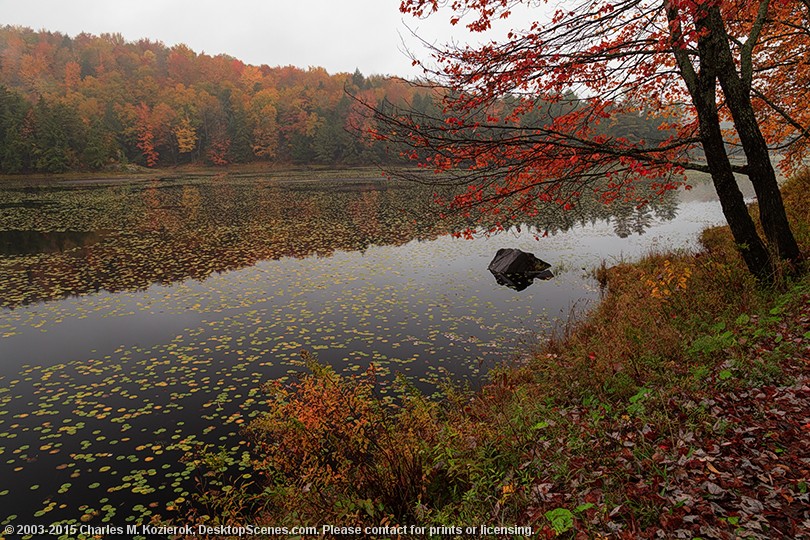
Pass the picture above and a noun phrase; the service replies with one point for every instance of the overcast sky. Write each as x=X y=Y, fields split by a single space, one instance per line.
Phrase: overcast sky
x=339 y=35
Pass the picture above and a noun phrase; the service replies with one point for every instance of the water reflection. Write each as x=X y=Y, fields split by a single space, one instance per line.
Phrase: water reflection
x=520 y=282
x=35 y=242
x=626 y=217
x=133 y=235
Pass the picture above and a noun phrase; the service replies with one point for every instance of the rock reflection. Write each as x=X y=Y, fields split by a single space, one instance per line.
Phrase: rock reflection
x=520 y=282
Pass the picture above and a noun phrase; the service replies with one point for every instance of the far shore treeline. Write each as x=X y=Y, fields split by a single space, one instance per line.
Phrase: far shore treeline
x=89 y=102
x=86 y=102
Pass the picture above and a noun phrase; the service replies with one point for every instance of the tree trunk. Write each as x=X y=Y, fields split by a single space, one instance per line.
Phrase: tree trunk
x=760 y=170
x=702 y=86
x=751 y=247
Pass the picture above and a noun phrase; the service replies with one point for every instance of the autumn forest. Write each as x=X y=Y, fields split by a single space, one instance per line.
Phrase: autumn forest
x=87 y=102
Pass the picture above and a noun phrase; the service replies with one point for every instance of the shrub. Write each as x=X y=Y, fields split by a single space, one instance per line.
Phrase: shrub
x=333 y=451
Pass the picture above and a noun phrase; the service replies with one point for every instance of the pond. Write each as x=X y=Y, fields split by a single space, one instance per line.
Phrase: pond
x=139 y=318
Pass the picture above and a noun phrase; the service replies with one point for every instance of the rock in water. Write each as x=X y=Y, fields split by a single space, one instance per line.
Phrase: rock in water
x=515 y=261
x=517 y=269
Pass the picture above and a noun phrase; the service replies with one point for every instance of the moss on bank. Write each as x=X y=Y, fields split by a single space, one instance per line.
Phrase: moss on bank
x=678 y=408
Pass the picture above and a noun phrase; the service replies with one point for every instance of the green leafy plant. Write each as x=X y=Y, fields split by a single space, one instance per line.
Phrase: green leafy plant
x=562 y=520
x=636 y=406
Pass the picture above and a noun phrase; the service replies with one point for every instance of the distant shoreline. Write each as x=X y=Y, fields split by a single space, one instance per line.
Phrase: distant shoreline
x=135 y=173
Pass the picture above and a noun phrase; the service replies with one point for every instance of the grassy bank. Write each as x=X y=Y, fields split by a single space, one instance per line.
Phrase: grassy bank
x=678 y=409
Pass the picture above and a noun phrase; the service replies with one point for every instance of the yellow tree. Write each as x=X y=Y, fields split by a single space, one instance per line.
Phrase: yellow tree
x=185 y=135
x=263 y=117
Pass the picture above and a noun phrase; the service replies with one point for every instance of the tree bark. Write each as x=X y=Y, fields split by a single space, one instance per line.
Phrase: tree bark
x=702 y=86
x=760 y=169
x=752 y=248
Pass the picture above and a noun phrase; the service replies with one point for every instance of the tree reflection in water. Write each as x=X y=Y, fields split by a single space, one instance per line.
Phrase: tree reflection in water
x=61 y=240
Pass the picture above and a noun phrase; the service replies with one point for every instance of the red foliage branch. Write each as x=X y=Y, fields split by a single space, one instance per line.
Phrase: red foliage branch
x=688 y=63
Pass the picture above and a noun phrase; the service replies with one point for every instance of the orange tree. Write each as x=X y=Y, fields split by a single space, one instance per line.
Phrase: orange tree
x=528 y=120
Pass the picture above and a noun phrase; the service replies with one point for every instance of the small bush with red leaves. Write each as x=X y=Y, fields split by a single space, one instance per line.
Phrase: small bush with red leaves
x=333 y=449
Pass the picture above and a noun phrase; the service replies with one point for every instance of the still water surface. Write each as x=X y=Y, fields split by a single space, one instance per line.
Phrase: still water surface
x=138 y=319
